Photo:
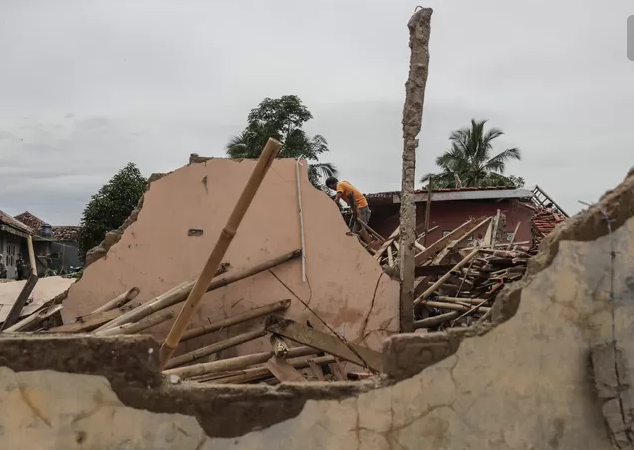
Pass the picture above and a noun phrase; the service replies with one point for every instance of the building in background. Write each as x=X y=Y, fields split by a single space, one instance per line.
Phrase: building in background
x=13 y=242
x=56 y=247
x=534 y=211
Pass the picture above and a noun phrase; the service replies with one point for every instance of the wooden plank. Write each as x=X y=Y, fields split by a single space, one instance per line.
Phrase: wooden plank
x=442 y=256
x=517 y=227
x=423 y=234
x=337 y=371
x=390 y=256
x=23 y=296
x=445 y=252
x=444 y=241
x=89 y=322
x=235 y=320
x=430 y=290
x=328 y=343
x=319 y=374
x=213 y=348
x=387 y=243
x=235 y=363
x=282 y=370
x=30 y=322
x=427 y=210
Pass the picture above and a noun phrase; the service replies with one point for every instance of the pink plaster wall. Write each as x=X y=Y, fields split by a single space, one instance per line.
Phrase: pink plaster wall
x=155 y=253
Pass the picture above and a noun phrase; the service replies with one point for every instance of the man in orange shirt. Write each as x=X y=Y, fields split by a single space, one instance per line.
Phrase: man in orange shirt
x=353 y=197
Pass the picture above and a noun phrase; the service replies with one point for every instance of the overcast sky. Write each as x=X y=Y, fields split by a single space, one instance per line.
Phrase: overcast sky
x=86 y=86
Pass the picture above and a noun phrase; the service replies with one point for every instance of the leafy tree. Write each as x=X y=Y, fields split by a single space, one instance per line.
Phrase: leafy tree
x=282 y=119
x=469 y=161
x=111 y=206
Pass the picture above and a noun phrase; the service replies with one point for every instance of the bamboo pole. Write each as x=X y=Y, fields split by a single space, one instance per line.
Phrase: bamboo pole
x=234 y=320
x=475 y=301
x=510 y=244
x=144 y=310
x=427 y=210
x=262 y=372
x=455 y=306
x=214 y=348
x=237 y=363
x=179 y=293
x=436 y=320
x=136 y=327
x=430 y=290
x=118 y=301
x=269 y=153
x=184 y=290
x=29 y=246
x=301 y=220
x=34 y=319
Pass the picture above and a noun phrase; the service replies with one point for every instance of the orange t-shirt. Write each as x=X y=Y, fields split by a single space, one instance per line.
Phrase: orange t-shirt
x=345 y=188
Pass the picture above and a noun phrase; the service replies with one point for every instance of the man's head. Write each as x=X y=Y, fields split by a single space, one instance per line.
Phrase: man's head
x=331 y=182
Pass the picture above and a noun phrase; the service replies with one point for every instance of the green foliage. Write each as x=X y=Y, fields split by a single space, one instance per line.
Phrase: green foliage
x=470 y=160
x=111 y=206
x=282 y=119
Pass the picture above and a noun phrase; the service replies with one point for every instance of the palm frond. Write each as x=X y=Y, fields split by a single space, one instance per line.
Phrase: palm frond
x=498 y=162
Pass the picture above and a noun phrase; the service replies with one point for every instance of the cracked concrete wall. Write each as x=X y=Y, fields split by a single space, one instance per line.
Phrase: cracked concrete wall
x=156 y=252
x=542 y=376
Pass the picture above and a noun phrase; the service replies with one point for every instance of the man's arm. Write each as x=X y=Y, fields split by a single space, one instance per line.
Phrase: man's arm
x=353 y=204
x=337 y=197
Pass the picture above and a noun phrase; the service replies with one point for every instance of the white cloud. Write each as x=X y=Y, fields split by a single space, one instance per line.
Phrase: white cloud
x=88 y=86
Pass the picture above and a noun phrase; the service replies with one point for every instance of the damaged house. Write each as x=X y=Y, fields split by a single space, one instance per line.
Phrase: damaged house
x=530 y=213
x=56 y=246
x=166 y=241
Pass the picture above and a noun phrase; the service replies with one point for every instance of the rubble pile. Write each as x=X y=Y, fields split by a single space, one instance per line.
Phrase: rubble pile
x=458 y=277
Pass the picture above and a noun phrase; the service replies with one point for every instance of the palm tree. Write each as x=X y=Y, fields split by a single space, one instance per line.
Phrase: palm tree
x=469 y=159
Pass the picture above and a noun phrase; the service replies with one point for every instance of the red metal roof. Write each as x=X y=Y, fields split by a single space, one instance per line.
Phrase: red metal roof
x=424 y=191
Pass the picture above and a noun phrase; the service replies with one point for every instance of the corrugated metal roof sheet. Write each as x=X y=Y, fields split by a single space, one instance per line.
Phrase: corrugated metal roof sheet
x=424 y=191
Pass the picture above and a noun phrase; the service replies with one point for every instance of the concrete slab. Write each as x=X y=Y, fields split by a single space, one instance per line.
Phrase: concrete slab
x=46 y=289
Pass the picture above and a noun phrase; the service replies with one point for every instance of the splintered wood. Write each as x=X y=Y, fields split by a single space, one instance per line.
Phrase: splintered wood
x=459 y=277
x=298 y=352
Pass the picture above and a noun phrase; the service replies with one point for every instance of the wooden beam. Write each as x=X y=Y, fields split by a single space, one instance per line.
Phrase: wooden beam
x=236 y=363
x=30 y=322
x=444 y=241
x=16 y=308
x=517 y=227
x=386 y=244
x=427 y=210
x=213 y=348
x=328 y=343
x=237 y=319
x=430 y=290
x=257 y=373
x=282 y=370
x=119 y=300
x=29 y=246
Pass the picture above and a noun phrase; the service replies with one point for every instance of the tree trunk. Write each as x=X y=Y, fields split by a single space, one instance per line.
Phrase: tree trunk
x=419 y=30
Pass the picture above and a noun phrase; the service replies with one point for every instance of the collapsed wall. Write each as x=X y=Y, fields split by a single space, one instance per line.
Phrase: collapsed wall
x=553 y=370
x=181 y=217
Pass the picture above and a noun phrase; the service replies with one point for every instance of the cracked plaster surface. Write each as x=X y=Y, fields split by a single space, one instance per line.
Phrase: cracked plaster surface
x=526 y=384
x=345 y=285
